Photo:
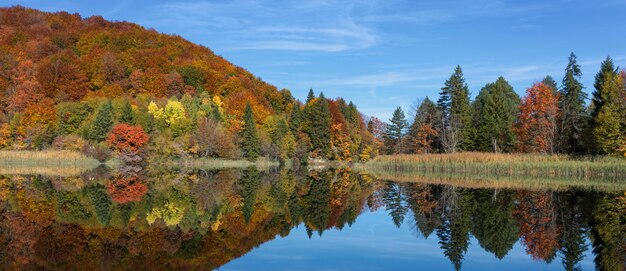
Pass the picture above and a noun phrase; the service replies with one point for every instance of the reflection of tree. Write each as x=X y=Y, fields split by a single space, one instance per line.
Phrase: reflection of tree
x=423 y=200
x=494 y=226
x=316 y=210
x=609 y=231
x=395 y=202
x=248 y=188
x=538 y=229
x=101 y=202
x=127 y=189
x=454 y=233
x=572 y=240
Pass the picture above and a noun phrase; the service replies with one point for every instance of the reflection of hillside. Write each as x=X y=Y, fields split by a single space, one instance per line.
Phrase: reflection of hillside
x=195 y=221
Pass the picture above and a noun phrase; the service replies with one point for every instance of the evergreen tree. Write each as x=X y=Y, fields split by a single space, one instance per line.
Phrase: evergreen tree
x=103 y=122
x=395 y=132
x=101 y=202
x=250 y=142
x=310 y=96
x=295 y=119
x=549 y=82
x=395 y=202
x=127 y=116
x=316 y=124
x=607 y=131
x=454 y=103
x=494 y=226
x=495 y=111
x=572 y=107
x=607 y=70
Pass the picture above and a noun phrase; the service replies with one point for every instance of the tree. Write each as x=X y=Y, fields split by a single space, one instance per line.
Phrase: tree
x=316 y=124
x=572 y=118
x=607 y=131
x=127 y=116
x=536 y=126
x=395 y=202
x=127 y=138
x=549 y=82
x=310 y=96
x=495 y=111
x=454 y=103
x=607 y=70
x=423 y=133
x=250 y=142
x=103 y=122
x=395 y=132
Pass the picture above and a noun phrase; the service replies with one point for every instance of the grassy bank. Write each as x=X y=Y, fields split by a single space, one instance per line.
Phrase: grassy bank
x=502 y=170
x=55 y=163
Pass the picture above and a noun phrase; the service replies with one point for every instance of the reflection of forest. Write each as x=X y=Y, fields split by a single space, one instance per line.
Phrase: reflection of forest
x=204 y=219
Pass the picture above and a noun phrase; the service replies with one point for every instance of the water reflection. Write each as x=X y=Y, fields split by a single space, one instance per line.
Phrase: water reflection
x=137 y=219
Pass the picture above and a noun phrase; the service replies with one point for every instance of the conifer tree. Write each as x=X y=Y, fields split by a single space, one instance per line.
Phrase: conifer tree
x=250 y=142
x=607 y=69
x=572 y=107
x=549 y=82
x=427 y=119
x=607 y=131
x=310 y=96
x=295 y=118
x=395 y=132
x=495 y=111
x=127 y=116
x=103 y=122
x=316 y=124
x=454 y=103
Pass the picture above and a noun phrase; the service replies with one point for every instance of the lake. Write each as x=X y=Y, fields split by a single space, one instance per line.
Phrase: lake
x=336 y=219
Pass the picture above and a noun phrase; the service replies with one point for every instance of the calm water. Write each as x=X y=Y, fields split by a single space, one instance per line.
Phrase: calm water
x=280 y=220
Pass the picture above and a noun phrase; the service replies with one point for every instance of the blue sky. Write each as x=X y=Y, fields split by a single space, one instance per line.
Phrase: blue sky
x=384 y=53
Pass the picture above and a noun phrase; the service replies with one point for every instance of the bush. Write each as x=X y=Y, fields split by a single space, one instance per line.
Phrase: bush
x=70 y=142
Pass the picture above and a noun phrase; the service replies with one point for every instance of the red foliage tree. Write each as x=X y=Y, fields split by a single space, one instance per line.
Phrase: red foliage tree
x=536 y=125
x=128 y=189
x=127 y=138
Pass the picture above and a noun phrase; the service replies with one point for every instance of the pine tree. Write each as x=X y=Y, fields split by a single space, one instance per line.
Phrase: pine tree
x=572 y=107
x=310 y=96
x=250 y=142
x=395 y=132
x=495 y=111
x=127 y=116
x=103 y=123
x=316 y=124
x=607 y=130
x=549 y=82
x=295 y=118
x=607 y=69
x=454 y=103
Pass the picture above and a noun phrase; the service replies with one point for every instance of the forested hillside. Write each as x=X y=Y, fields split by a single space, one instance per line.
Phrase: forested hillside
x=88 y=84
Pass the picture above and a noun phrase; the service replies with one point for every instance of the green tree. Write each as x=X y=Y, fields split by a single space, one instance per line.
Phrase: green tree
x=395 y=202
x=127 y=116
x=310 y=96
x=101 y=202
x=572 y=107
x=607 y=130
x=103 y=122
x=454 y=103
x=549 y=82
x=494 y=226
x=607 y=70
x=316 y=124
x=495 y=111
x=250 y=142
x=395 y=132
x=295 y=118
x=249 y=187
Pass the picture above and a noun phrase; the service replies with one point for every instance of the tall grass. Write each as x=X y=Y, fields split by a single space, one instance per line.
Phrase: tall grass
x=53 y=163
x=503 y=170
x=489 y=164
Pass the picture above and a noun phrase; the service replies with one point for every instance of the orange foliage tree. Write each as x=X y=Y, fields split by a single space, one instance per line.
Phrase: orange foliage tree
x=127 y=189
x=537 y=223
x=536 y=124
x=127 y=138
